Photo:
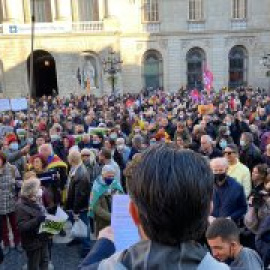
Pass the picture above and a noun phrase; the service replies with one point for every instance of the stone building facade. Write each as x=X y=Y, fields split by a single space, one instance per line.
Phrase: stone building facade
x=161 y=43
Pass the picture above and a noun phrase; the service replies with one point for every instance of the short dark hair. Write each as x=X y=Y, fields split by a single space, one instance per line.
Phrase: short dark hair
x=223 y=228
x=172 y=189
x=233 y=147
x=106 y=153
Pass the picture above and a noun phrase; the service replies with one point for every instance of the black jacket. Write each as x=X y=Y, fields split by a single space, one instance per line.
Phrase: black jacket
x=29 y=218
x=251 y=156
x=79 y=190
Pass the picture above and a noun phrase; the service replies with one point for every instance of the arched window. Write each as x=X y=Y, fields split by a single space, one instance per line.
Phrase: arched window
x=195 y=62
x=85 y=10
x=238 y=64
x=153 y=69
x=196 y=10
x=239 y=9
x=43 y=10
x=150 y=12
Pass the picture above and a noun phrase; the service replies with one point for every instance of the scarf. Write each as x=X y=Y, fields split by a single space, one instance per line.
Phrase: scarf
x=100 y=188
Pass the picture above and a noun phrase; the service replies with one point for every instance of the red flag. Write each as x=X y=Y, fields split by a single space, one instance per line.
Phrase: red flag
x=208 y=79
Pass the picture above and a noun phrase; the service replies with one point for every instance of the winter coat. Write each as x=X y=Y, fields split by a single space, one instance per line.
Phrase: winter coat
x=150 y=255
x=29 y=217
x=78 y=190
x=8 y=175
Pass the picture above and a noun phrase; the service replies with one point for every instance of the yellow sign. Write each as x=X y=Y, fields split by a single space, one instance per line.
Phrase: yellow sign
x=206 y=109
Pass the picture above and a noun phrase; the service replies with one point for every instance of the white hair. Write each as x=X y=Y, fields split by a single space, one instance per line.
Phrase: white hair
x=46 y=145
x=220 y=161
x=120 y=141
x=208 y=138
x=30 y=187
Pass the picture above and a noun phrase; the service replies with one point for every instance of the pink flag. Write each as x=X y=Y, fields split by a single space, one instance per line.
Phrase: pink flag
x=208 y=79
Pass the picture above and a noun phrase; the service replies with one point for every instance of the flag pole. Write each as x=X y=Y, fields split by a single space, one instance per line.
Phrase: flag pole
x=31 y=76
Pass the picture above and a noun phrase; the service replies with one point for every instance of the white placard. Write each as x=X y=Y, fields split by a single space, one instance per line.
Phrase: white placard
x=4 y=105
x=125 y=232
x=18 y=104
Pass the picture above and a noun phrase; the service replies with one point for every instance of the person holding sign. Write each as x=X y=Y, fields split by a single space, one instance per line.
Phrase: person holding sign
x=30 y=214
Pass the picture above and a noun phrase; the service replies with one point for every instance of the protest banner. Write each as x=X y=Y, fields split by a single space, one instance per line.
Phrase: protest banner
x=18 y=104
x=206 y=109
x=4 y=105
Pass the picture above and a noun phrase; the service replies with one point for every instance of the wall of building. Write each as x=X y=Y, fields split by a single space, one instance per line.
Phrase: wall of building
x=125 y=33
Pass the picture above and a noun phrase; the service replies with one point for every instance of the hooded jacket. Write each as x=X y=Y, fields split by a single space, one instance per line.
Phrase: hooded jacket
x=147 y=255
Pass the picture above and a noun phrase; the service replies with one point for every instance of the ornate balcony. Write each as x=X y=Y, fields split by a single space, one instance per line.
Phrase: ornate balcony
x=83 y=27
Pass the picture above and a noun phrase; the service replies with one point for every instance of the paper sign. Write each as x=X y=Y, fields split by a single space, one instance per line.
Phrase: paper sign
x=18 y=104
x=125 y=232
x=52 y=224
x=206 y=109
x=4 y=105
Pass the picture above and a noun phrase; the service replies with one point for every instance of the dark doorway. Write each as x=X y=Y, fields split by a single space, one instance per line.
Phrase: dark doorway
x=238 y=63
x=45 y=80
x=195 y=63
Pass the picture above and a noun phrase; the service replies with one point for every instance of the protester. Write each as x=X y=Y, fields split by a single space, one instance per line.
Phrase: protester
x=223 y=238
x=9 y=174
x=104 y=188
x=169 y=205
x=78 y=194
x=229 y=198
x=236 y=169
x=208 y=149
x=30 y=214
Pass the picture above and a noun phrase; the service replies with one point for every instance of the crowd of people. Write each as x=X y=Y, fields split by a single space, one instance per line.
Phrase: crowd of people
x=195 y=165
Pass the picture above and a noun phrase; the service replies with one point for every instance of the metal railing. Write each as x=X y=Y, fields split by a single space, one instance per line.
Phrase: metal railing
x=93 y=26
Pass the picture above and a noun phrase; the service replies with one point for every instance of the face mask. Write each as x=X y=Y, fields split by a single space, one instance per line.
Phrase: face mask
x=223 y=144
x=54 y=138
x=229 y=124
x=113 y=136
x=219 y=178
x=95 y=142
x=30 y=140
x=153 y=142
x=242 y=143
x=14 y=146
x=227 y=133
x=120 y=147
x=108 y=180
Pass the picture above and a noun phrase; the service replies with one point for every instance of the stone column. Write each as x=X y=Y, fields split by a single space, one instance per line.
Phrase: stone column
x=13 y=11
x=63 y=10
x=102 y=9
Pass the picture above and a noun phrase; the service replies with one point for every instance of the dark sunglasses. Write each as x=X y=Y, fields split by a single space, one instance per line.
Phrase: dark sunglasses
x=228 y=153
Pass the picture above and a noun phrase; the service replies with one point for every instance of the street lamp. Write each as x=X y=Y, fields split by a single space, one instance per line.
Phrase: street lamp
x=112 y=66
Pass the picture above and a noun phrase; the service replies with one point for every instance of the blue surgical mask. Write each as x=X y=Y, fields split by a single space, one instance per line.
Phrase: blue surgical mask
x=108 y=180
x=14 y=146
x=113 y=136
x=242 y=143
x=223 y=144
x=54 y=138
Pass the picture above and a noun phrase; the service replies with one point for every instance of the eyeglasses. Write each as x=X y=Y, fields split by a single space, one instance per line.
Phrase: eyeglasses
x=228 y=153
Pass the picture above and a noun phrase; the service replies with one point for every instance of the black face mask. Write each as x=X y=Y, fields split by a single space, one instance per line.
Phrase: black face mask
x=219 y=178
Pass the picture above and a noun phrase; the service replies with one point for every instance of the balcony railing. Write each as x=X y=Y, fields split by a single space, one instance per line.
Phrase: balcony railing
x=196 y=26
x=93 y=26
x=151 y=27
x=238 y=24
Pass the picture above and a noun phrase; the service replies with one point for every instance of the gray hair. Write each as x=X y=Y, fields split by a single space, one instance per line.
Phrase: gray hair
x=74 y=157
x=208 y=138
x=221 y=161
x=30 y=187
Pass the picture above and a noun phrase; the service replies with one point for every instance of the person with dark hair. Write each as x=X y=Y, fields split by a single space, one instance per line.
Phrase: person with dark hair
x=170 y=193
x=223 y=237
x=236 y=169
x=250 y=154
x=105 y=158
x=9 y=175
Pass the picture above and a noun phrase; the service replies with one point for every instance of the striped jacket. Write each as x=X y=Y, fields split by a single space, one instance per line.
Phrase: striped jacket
x=8 y=176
